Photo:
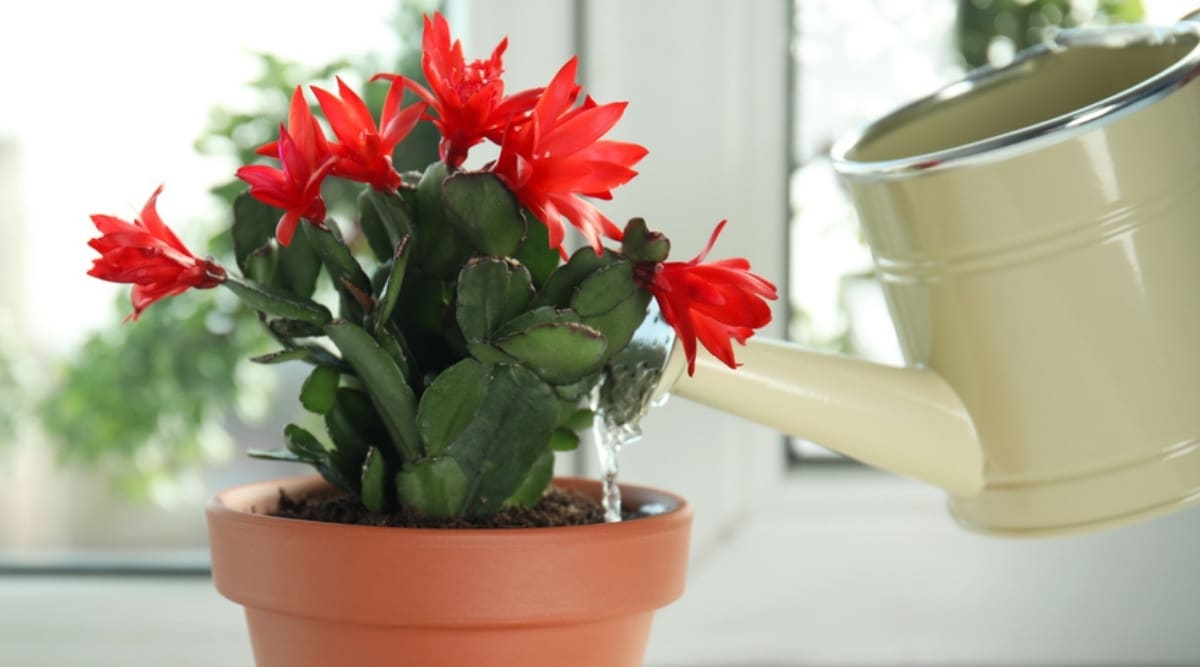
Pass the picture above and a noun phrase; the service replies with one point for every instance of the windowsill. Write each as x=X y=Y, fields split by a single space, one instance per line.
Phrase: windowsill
x=140 y=562
x=844 y=566
x=849 y=566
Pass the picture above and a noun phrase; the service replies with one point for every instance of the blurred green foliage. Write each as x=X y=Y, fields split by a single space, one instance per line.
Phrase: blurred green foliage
x=13 y=385
x=137 y=400
x=141 y=401
x=1018 y=24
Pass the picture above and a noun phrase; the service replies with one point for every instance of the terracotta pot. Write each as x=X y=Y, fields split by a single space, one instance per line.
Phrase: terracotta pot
x=329 y=595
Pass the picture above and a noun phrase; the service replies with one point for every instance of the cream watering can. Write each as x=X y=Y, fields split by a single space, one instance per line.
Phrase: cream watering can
x=1036 y=229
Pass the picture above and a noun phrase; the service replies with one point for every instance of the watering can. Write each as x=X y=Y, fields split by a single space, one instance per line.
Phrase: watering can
x=1036 y=230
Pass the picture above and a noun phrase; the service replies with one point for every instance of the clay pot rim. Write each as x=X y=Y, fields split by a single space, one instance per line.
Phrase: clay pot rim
x=224 y=504
x=429 y=577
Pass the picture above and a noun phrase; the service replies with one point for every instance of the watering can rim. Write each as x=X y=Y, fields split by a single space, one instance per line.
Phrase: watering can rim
x=1031 y=137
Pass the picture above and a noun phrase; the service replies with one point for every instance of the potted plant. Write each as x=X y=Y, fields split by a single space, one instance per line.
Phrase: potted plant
x=459 y=356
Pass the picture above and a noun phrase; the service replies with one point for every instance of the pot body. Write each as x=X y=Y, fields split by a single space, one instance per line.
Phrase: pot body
x=1034 y=228
x=319 y=595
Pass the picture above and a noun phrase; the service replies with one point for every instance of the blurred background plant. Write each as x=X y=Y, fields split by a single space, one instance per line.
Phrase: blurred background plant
x=989 y=32
x=142 y=403
x=16 y=384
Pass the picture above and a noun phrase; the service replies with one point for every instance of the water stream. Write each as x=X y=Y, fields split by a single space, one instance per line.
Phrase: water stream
x=627 y=391
x=609 y=434
x=609 y=441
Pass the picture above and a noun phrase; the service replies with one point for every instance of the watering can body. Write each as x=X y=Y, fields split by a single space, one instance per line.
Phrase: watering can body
x=1036 y=230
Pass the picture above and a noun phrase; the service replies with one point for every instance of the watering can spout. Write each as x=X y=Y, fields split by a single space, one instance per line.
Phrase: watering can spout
x=903 y=420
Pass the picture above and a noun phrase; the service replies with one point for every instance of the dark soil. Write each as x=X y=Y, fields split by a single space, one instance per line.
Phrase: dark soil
x=559 y=507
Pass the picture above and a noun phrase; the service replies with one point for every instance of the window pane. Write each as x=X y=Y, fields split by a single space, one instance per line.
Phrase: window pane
x=113 y=105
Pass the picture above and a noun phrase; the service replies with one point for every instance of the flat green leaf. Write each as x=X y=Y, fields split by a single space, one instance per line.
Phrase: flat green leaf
x=534 y=487
x=393 y=343
x=606 y=287
x=564 y=440
x=296 y=354
x=335 y=477
x=318 y=391
x=441 y=249
x=385 y=219
x=292 y=269
x=391 y=394
x=519 y=292
x=424 y=301
x=561 y=353
x=274 y=302
x=575 y=419
x=253 y=227
x=508 y=433
x=389 y=296
x=535 y=252
x=332 y=475
x=355 y=427
x=387 y=223
x=449 y=403
x=317 y=356
x=490 y=292
x=281 y=454
x=642 y=245
x=485 y=212
x=434 y=487
x=578 y=390
x=344 y=270
x=619 y=323
x=486 y=354
x=303 y=444
x=380 y=276
x=375 y=495
x=532 y=318
x=561 y=285
x=259 y=266
x=286 y=328
x=296 y=267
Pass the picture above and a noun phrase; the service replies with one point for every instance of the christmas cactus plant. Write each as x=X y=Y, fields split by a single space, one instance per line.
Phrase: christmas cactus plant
x=464 y=341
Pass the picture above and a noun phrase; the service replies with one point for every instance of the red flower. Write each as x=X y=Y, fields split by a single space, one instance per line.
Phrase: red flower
x=714 y=302
x=305 y=132
x=467 y=97
x=305 y=159
x=364 y=151
x=147 y=253
x=558 y=155
x=295 y=187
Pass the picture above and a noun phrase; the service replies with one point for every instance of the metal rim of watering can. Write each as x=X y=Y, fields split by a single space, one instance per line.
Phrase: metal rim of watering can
x=1034 y=136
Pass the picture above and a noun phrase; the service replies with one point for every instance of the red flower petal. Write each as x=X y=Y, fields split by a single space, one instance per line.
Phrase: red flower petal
x=295 y=187
x=714 y=302
x=582 y=130
x=348 y=115
x=364 y=151
x=147 y=254
x=557 y=155
x=466 y=98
